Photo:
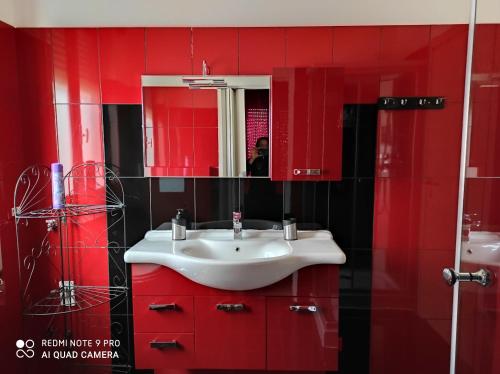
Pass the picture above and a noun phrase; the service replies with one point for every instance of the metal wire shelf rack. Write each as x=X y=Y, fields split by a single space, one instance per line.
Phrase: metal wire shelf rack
x=73 y=298
x=63 y=274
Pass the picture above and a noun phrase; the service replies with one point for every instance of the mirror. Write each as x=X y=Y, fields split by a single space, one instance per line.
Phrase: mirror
x=206 y=126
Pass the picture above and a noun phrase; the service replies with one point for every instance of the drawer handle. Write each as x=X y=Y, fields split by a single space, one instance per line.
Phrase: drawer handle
x=304 y=308
x=162 y=345
x=306 y=171
x=160 y=307
x=231 y=307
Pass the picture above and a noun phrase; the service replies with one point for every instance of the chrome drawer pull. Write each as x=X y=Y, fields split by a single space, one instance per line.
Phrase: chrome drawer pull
x=162 y=345
x=160 y=307
x=304 y=308
x=306 y=171
x=231 y=307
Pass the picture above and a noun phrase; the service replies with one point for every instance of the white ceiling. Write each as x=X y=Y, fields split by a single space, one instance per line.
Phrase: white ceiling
x=103 y=13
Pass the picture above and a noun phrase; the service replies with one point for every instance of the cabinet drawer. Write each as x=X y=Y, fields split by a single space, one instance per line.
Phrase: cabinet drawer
x=173 y=351
x=163 y=314
x=230 y=332
x=302 y=333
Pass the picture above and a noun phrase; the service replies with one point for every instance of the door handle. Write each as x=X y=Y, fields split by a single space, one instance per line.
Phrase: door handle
x=231 y=307
x=162 y=345
x=306 y=171
x=304 y=308
x=482 y=276
x=160 y=307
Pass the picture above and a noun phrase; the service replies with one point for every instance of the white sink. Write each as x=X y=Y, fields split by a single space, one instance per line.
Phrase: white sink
x=213 y=258
x=483 y=247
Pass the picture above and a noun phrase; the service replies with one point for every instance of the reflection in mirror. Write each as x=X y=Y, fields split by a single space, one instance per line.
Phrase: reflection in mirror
x=206 y=126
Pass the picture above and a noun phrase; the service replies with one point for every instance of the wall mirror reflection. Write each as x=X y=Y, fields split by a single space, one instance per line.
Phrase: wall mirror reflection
x=206 y=126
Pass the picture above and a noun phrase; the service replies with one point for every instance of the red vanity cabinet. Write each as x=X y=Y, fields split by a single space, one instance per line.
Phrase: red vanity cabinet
x=230 y=332
x=164 y=350
x=306 y=131
x=302 y=333
x=215 y=329
x=163 y=314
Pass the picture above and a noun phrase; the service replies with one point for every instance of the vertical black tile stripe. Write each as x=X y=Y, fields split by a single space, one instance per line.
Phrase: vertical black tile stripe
x=351 y=213
x=123 y=148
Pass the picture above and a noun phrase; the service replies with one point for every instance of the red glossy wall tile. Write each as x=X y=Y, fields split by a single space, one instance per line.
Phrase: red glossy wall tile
x=482 y=84
x=484 y=157
x=261 y=49
x=206 y=149
x=419 y=143
x=411 y=214
x=122 y=62
x=205 y=110
x=182 y=155
x=309 y=46
x=168 y=51
x=356 y=45
x=218 y=47
x=34 y=56
x=482 y=196
x=79 y=134
x=10 y=168
x=357 y=50
x=448 y=46
x=404 y=58
x=76 y=66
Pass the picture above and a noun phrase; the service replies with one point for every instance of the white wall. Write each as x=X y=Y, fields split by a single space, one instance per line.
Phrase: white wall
x=7 y=12
x=81 y=13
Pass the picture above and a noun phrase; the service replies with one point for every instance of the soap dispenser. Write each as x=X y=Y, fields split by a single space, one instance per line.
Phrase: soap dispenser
x=179 y=226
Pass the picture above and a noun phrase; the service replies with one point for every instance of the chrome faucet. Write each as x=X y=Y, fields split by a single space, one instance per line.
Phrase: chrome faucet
x=238 y=231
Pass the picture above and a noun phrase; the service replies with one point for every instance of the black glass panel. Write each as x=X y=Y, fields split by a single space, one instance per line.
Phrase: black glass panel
x=260 y=198
x=216 y=199
x=168 y=195
x=123 y=139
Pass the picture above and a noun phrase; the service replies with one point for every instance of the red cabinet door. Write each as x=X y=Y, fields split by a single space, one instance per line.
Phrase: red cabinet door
x=161 y=350
x=302 y=333
x=230 y=332
x=163 y=314
x=306 y=132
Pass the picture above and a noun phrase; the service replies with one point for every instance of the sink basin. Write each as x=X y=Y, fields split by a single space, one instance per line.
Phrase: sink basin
x=483 y=247
x=213 y=258
x=235 y=251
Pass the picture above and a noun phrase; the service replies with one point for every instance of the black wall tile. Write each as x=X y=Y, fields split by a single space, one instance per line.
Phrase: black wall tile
x=355 y=333
x=170 y=194
x=308 y=203
x=216 y=199
x=363 y=212
x=359 y=140
x=342 y=212
x=137 y=213
x=260 y=198
x=362 y=270
x=123 y=148
x=349 y=141
x=137 y=217
x=366 y=140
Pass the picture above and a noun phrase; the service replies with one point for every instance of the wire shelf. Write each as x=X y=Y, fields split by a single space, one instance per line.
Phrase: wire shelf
x=68 y=211
x=73 y=298
x=90 y=188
